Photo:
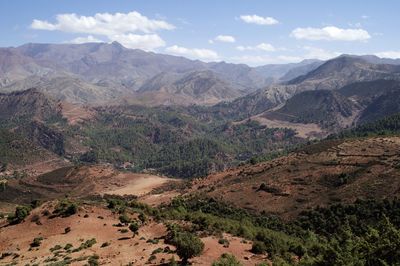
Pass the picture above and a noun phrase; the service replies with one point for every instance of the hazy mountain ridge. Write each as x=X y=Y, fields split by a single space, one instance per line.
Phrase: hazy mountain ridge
x=108 y=70
x=98 y=72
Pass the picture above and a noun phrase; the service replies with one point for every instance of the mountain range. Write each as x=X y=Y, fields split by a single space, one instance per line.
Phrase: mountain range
x=94 y=73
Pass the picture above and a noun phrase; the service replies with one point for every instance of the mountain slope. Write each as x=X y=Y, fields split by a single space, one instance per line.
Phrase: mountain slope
x=198 y=87
x=343 y=70
x=318 y=175
x=326 y=108
x=383 y=106
x=365 y=92
x=99 y=72
x=28 y=104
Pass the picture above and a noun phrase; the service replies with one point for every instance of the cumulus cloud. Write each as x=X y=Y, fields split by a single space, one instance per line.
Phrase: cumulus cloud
x=196 y=53
x=225 y=38
x=306 y=52
x=254 y=19
x=318 y=53
x=121 y=27
x=389 y=54
x=103 y=23
x=138 y=41
x=330 y=33
x=89 y=38
x=260 y=47
x=257 y=60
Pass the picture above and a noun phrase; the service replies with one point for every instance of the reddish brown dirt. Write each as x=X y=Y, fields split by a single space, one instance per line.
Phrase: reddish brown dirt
x=81 y=182
x=305 y=180
x=239 y=248
x=17 y=238
x=97 y=222
x=75 y=113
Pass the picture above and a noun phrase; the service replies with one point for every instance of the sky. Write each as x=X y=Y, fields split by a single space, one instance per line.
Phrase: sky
x=254 y=32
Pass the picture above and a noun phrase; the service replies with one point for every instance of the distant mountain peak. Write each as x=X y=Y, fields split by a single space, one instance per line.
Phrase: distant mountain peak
x=117 y=45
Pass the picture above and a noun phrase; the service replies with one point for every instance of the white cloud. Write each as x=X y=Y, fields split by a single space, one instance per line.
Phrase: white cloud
x=196 y=53
x=89 y=38
x=389 y=54
x=116 y=27
x=147 y=42
x=260 y=47
x=318 y=53
x=365 y=17
x=42 y=25
x=103 y=23
x=330 y=33
x=225 y=38
x=257 y=60
x=254 y=19
x=306 y=52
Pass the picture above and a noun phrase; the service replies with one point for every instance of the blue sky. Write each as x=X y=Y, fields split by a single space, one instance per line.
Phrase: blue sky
x=254 y=32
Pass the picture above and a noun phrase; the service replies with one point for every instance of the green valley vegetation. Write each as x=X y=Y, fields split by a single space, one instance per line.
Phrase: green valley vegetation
x=176 y=142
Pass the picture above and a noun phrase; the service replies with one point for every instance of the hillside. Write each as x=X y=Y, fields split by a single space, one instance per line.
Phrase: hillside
x=326 y=108
x=199 y=87
x=385 y=105
x=321 y=174
x=366 y=92
x=344 y=70
x=264 y=212
x=29 y=104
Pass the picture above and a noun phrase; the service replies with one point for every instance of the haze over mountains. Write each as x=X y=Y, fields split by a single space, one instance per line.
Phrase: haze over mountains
x=101 y=72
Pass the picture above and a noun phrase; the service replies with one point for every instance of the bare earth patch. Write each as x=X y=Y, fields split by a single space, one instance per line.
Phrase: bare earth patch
x=303 y=130
x=75 y=113
x=139 y=185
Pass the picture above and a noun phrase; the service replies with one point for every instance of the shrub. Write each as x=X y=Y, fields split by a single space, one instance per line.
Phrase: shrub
x=37 y=241
x=158 y=250
x=93 y=260
x=21 y=212
x=65 y=208
x=152 y=257
x=227 y=260
x=187 y=245
x=113 y=203
x=153 y=241
x=87 y=244
x=134 y=227
x=224 y=242
x=124 y=219
x=258 y=247
x=35 y=203
x=142 y=217
x=68 y=246
x=105 y=244
x=56 y=247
